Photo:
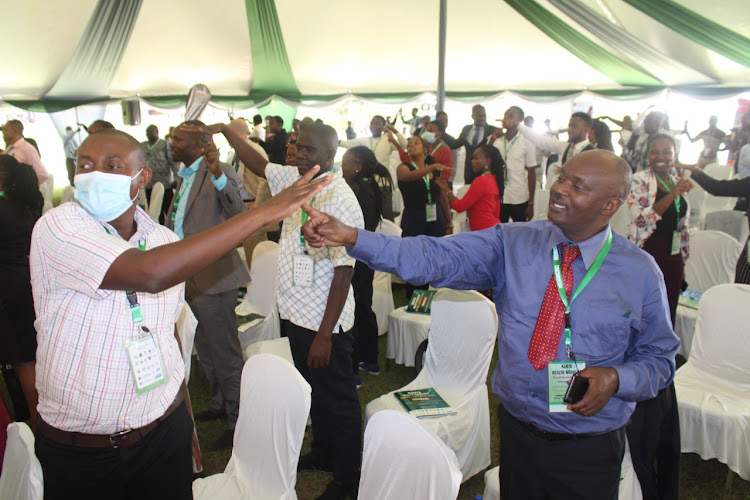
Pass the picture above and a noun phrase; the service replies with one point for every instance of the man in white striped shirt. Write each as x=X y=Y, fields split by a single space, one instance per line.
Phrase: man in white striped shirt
x=108 y=287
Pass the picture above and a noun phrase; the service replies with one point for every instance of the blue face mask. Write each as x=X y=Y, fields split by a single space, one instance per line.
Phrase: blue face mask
x=104 y=196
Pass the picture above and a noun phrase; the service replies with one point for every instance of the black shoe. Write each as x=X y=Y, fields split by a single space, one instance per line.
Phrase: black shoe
x=337 y=491
x=208 y=415
x=225 y=441
x=308 y=463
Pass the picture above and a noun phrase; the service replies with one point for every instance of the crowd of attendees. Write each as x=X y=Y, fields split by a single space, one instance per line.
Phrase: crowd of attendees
x=329 y=321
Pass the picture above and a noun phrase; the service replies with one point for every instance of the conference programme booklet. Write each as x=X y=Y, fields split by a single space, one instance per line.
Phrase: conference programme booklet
x=424 y=403
x=421 y=301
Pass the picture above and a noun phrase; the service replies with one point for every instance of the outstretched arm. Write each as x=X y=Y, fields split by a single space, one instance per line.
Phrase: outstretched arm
x=252 y=160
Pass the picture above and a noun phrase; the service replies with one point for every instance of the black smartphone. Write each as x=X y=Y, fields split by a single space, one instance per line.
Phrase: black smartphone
x=576 y=389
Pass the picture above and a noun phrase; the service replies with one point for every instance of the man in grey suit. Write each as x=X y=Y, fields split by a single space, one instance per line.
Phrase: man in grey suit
x=471 y=137
x=207 y=195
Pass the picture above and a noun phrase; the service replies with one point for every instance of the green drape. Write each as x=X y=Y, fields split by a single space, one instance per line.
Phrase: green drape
x=99 y=51
x=278 y=107
x=636 y=50
x=697 y=28
x=272 y=73
x=581 y=47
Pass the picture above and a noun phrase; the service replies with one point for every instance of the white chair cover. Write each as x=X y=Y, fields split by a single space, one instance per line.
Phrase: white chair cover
x=713 y=258
x=68 y=193
x=47 y=189
x=713 y=387
x=186 y=325
x=279 y=347
x=684 y=327
x=732 y=222
x=463 y=331
x=382 y=299
x=492 y=484
x=553 y=172
x=154 y=204
x=696 y=197
x=629 y=489
x=21 y=477
x=716 y=203
x=541 y=203
x=402 y=459
x=621 y=219
x=274 y=403
x=260 y=298
x=390 y=228
x=405 y=332
x=461 y=220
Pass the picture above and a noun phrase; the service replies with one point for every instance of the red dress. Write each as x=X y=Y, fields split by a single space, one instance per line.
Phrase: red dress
x=482 y=200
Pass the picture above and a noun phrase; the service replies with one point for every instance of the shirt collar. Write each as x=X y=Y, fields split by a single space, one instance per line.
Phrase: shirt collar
x=580 y=145
x=185 y=172
x=144 y=226
x=589 y=248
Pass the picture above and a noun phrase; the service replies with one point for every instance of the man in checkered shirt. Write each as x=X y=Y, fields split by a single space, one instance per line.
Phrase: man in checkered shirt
x=317 y=317
x=106 y=277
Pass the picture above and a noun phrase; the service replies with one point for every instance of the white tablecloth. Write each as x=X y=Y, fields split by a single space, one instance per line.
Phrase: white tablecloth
x=684 y=327
x=405 y=332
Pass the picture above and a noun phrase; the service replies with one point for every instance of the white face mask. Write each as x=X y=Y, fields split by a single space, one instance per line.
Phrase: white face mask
x=104 y=196
x=429 y=137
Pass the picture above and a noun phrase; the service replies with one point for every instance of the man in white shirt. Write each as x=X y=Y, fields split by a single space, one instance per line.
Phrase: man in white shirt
x=108 y=288
x=578 y=137
x=520 y=168
x=22 y=150
x=259 y=132
x=378 y=143
x=71 y=145
x=316 y=306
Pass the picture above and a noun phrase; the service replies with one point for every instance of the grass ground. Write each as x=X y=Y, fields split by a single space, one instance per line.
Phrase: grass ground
x=700 y=479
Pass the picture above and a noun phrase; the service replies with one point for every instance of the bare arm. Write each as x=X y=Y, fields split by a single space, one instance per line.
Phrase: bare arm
x=166 y=266
x=320 y=349
x=252 y=160
x=404 y=174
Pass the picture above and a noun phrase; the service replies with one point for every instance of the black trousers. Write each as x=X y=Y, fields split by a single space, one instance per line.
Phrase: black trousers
x=365 y=322
x=654 y=437
x=515 y=212
x=532 y=468
x=334 y=410
x=159 y=466
x=70 y=166
x=742 y=271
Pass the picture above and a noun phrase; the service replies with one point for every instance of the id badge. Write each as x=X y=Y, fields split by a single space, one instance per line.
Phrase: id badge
x=559 y=373
x=145 y=363
x=431 y=212
x=676 y=240
x=304 y=268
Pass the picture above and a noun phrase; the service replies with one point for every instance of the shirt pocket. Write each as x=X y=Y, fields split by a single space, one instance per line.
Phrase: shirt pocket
x=601 y=339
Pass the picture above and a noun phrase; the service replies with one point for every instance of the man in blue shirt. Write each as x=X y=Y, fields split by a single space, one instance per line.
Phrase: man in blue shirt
x=619 y=325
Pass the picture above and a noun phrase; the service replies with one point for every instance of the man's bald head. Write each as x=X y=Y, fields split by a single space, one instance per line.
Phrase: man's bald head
x=316 y=145
x=590 y=189
x=240 y=126
x=127 y=139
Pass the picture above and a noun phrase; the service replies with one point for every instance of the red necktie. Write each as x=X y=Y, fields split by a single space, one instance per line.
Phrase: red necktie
x=551 y=320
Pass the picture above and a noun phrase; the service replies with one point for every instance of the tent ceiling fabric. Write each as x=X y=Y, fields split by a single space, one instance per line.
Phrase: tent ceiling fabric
x=388 y=49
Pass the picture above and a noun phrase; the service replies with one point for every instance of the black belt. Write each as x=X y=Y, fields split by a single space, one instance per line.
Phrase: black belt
x=555 y=436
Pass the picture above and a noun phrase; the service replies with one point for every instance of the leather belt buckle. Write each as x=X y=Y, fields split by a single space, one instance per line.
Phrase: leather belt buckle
x=116 y=438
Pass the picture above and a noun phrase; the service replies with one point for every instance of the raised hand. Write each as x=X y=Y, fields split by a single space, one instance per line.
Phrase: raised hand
x=211 y=157
x=322 y=230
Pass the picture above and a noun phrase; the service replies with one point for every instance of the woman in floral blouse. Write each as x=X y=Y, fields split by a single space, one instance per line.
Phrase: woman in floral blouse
x=660 y=215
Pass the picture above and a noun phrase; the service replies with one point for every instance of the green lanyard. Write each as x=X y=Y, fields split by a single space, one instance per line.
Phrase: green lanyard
x=556 y=262
x=183 y=187
x=304 y=220
x=2 y=193
x=507 y=149
x=426 y=180
x=373 y=148
x=440 y=145
x=669 y=190
x=135 y=308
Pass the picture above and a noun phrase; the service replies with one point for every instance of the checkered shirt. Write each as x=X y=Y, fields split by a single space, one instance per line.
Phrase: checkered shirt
x=82 y=369
x=305 y=306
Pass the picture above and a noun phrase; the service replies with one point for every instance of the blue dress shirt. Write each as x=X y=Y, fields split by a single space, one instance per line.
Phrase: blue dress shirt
x=621 y=319
x=188 y=175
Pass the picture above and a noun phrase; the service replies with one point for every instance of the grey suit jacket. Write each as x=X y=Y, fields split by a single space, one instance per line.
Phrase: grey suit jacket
x=206 y=207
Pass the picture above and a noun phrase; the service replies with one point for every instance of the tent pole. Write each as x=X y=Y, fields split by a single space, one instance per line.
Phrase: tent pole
x=441 y=55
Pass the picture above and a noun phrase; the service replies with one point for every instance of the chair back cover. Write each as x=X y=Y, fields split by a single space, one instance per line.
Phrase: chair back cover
x=22 y=477
x=403 y=459
x=68 y=193
x=261 y=292
x=274 y=404
x=541 y=203
x=721 y=346
x=186 y=325
x=388 y=227
x=732 y=222
x=713 y=258
x=621 y=219
x=142 y=200
x=696 y=197
x=463 y=329
x=154 y=204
